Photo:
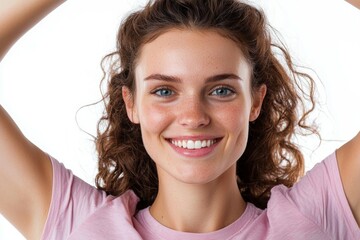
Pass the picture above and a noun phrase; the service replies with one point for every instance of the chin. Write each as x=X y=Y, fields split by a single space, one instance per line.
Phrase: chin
x=198 y=177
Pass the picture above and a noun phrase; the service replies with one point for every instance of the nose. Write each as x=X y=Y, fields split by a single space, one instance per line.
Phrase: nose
x=193 y=113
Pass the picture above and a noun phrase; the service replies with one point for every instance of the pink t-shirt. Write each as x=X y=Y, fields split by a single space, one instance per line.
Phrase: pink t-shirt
x=315 y=208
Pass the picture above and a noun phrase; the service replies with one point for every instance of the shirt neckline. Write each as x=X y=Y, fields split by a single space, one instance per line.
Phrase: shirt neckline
x=159 y=231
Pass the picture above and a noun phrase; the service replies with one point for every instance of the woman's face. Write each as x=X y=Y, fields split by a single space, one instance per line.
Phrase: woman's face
x=193 y=102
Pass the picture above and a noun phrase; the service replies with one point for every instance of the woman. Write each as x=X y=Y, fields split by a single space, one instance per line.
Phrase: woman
x=199 y=120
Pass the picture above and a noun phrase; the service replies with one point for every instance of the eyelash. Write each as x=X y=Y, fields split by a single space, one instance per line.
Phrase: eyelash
x=168 y=92
x=158 y=90
x=229 y=90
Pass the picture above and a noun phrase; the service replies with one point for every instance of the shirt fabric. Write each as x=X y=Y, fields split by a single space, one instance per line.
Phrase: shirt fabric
x=314 y=208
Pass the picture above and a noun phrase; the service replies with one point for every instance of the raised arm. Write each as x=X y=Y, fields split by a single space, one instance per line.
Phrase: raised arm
x=349 y=166
x=17 y=16
x=25 y=171
x=355 y=3
x=348 y=157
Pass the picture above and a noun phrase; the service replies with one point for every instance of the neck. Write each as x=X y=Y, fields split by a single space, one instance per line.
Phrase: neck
x=198 y=208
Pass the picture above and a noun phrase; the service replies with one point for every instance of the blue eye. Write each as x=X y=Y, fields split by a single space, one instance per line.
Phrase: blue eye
x=222 y=92
x=163 y=92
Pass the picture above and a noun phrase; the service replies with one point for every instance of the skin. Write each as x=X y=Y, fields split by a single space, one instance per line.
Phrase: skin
x=193 y=84
x=17 y=16
x=355 y=3
x=348 y=157
x=25 y=172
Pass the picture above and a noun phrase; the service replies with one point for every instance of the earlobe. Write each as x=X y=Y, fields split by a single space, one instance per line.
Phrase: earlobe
x=130 y=105
x=257 y=103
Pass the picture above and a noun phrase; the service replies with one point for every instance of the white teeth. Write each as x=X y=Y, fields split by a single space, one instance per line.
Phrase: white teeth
x=198 y=144
x=191 y=144
x=184 y=145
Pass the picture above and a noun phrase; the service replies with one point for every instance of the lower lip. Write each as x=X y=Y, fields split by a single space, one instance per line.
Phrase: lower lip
x=195 y=152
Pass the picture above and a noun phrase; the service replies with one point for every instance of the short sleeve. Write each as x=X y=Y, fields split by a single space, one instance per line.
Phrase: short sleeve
x=320 y=196
x=73 y=200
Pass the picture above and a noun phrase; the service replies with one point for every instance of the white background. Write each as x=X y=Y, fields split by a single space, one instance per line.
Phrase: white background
x=55 y=69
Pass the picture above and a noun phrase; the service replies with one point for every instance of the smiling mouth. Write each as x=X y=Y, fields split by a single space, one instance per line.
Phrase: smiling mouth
x=193 y=144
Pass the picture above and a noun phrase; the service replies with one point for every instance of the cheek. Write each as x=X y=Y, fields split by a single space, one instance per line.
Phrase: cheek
x=153 y=118
x=235 y=119
x=234 y=116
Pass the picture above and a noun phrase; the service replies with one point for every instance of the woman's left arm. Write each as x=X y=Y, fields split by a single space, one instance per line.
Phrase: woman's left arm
x=348 y=157
x=355 y=3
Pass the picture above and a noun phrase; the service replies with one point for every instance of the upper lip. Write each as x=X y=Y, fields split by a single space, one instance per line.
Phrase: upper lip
x=194 y=138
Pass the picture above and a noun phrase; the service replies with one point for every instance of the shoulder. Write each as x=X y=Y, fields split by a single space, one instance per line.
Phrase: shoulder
x=75 y=204
x=281 y=220
x=114 y=219
x=319 y=199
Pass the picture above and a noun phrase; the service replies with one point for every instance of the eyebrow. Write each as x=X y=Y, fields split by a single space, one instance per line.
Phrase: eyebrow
x=214 y=78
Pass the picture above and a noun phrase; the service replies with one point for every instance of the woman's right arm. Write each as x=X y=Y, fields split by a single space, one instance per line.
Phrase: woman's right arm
x=18 y=16
x=25 y=171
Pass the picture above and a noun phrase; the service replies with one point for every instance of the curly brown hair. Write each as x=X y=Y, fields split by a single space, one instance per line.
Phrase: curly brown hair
x=270 y=158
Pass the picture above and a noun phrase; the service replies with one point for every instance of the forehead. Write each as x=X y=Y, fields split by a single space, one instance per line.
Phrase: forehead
x=187 y=51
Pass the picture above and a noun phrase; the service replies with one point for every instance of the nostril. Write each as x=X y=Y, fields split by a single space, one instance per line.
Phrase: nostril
x=194 y=120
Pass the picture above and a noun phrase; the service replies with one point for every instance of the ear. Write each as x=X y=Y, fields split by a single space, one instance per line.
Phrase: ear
x=258 y=99
x=130 y=105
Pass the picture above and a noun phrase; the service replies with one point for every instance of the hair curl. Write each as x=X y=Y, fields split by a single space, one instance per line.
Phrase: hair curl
x=270 y=158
